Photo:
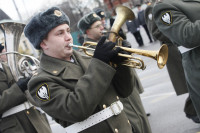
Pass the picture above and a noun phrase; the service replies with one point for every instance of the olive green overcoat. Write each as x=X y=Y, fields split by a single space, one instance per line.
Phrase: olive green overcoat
x=27 y=121
x=76 y=90
x=179 y=21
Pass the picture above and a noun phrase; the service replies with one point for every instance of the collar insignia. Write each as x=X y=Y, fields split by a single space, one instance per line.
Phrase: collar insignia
x=43 y=92
x=166 y=18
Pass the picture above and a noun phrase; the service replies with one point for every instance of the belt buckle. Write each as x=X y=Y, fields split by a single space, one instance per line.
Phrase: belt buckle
x=115 y=108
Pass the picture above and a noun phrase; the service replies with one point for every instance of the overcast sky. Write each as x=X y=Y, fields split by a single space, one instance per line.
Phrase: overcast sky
x=25 y=7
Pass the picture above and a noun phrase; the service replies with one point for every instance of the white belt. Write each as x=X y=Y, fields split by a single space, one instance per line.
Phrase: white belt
x=114 y=109
x=16 y=109
x=184 y=49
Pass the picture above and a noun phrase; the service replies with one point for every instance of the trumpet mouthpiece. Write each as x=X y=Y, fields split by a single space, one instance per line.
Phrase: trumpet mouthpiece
x=71 y=44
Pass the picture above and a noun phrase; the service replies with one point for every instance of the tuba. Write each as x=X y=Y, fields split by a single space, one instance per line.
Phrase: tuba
x=20 y=65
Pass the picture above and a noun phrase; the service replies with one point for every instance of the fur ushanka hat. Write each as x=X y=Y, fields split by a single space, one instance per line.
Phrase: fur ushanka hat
x=41 y=24
x=86 y=21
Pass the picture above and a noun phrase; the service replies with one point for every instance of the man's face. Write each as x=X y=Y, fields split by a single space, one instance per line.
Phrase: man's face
x=95 y=31
x=57 y=43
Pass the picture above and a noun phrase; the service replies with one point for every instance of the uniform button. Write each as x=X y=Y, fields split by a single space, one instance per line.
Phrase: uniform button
x=28 y=112
x=117 y=97
x=116 y=130
x=104 y=106
x=128 y=122
x=55 y=72
x=34 y=107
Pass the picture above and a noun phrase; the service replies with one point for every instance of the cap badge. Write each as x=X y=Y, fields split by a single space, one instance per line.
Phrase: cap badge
x=102 y=13
x=166 y=18
x=43 y=92
x=94 y=15
x=57 y=13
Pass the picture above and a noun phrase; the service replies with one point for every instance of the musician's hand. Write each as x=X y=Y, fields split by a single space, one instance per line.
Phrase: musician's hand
x=125 y=44
x=22 y=83
x=104 y=50
x=119 y=59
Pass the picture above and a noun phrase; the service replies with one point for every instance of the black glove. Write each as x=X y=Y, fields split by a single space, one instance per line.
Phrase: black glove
x=22 y=83
x=105 y=51
x=126 y=44
x=120 y=59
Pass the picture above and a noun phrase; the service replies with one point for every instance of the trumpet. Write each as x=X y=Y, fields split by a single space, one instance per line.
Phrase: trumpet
x=160 y=56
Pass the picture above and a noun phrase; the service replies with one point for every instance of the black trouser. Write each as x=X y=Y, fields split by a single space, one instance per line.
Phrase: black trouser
x=147 y=31
x=138 y=38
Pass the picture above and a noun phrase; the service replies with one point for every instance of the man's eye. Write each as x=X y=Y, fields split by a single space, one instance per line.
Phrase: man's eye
x=60 y=33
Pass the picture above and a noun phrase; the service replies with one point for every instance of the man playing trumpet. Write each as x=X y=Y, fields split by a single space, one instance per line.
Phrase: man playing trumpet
x=91 y=25
x=77 y=91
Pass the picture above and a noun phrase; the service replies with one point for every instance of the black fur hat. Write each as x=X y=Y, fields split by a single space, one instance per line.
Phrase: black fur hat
x=1 y=47
x=86 y=21
x=41 y=24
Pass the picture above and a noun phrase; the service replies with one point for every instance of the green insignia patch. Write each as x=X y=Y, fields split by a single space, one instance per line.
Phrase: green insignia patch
x=166 y=18
x=43 y=92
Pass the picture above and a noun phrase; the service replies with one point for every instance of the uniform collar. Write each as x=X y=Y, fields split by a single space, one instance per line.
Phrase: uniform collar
x=89 y=39
x=59 y=65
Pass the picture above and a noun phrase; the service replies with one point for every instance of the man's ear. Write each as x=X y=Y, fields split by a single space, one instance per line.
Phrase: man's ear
x=87 y=31
x=43 y=45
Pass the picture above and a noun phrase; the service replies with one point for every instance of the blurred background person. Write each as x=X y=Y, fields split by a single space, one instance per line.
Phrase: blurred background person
x=134 y=27
x=141 y=19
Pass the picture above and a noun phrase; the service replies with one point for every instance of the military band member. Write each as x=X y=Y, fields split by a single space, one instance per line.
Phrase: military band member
x=92 y=27
x=174 y=64
x=17 y=115
x=77 y=90
x=178 y=21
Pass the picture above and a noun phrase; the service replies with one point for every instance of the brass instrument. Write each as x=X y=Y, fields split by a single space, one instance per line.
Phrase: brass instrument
x=20 y=65
x=160 y=56
x=123 y=14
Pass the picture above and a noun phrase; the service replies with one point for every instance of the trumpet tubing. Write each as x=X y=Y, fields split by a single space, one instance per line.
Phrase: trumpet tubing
x=160 y=56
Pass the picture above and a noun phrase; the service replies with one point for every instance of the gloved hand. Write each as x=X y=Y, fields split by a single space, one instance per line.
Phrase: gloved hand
x=119 y=59
x=126 y=44
x=104 y=50
x=22 y=83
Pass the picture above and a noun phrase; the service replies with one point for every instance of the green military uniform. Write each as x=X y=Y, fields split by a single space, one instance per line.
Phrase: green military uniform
x=27 y=121
x=133 y=106
x=174 y=65
x=70 y=92
x=179 y=21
